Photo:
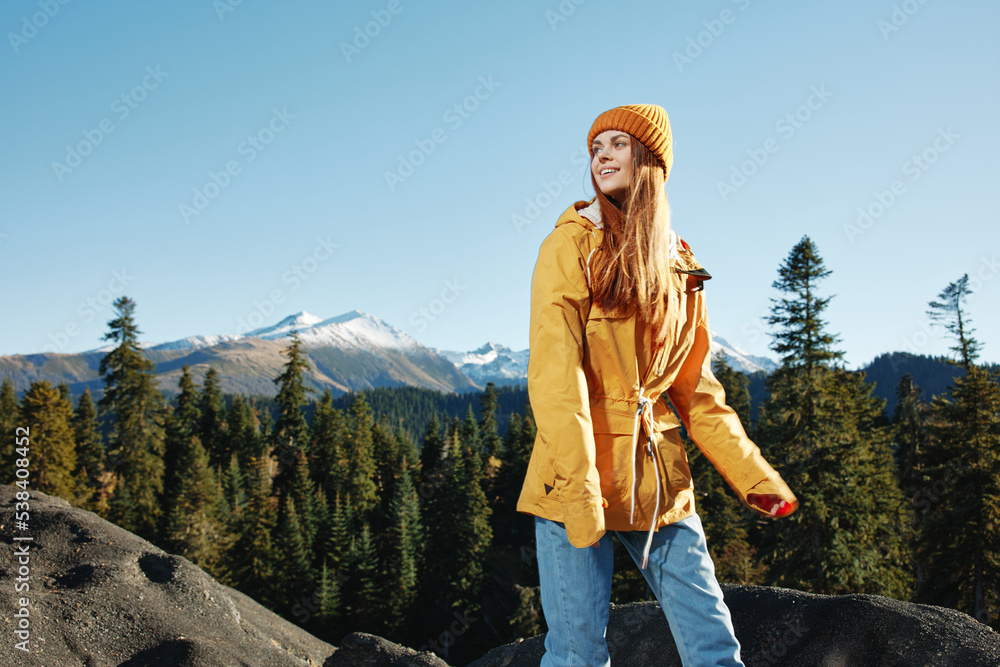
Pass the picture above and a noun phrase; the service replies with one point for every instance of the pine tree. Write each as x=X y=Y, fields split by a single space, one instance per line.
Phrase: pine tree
x=90 y=464
x=253 y=555
x=135 y=451
x=327 y=431
x=212 y=427
x=195 y=527
x=403 y=561
x=488 y=428
x=360 y=602
x=243 y=436
x=736 y=560
x=233 y=486
x=291 y=432
x=911 y=441
x=432 y=450
x=303 y=494
x=459 y=533
x=182 y=426
x=820 y=427
x=9 y=421
x=295 y=565
x=359 y=489
x=53 y=452
x=338 y=544
x=960 y=536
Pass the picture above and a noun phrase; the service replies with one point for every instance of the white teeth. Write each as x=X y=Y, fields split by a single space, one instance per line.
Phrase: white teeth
x=608 y=171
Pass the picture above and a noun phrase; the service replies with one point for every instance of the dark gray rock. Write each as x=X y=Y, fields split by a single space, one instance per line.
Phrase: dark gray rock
x=100 y=596
x=363 y=650
x=778 y=626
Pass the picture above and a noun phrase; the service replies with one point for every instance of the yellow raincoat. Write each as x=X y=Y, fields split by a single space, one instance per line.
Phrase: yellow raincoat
x=608 y=453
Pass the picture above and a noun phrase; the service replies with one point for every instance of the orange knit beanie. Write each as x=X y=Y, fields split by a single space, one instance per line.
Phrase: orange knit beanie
x=646 y=122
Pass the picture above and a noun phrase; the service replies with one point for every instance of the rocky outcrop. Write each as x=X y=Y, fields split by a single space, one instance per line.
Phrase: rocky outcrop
x=101 y=596
x=778 y=626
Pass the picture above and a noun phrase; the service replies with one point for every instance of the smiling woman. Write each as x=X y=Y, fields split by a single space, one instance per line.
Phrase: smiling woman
x=618 y=322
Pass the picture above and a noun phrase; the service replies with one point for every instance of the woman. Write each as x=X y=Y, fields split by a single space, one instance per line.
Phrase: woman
x=618 y=326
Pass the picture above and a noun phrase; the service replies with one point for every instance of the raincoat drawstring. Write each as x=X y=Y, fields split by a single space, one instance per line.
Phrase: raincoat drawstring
x=644 y=403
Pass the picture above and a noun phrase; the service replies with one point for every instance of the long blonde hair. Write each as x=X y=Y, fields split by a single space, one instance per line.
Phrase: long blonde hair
x=632 y=266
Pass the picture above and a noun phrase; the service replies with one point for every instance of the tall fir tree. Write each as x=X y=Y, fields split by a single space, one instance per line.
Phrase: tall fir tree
x=196 y=527
x=135 y=448
x=243 y=432
x=911 y=441
x=403 y=559
x=252 y=556
x=303 y=494
x=8 y=422
x=90 y=460
x=726 y=523
x=431 y=450
x=182 y=425
x=489 y=430
x=459 y=533
x=212 y=426
x=294 y=567
x=291 y=431
x=360 y=601
x=357 y=449
x=327 y=433
x=820 y=427
x=49 y=414
x=960 y=536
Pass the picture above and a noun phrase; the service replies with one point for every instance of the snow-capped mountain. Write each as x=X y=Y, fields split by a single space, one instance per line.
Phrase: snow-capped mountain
x=738 y=358
x=491 y=363
x=352 y=351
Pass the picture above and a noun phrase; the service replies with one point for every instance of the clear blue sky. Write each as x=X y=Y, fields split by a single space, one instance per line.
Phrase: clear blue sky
x=116 y=113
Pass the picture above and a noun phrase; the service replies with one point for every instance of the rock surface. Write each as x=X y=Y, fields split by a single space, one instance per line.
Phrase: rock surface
x=777 y=626
x=101 y=596
x=364 y=650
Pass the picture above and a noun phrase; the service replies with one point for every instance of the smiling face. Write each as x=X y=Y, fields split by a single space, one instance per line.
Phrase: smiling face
x=612 y=163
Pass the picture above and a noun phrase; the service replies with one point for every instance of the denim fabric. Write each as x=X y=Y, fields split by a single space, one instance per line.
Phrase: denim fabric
x=576 y=592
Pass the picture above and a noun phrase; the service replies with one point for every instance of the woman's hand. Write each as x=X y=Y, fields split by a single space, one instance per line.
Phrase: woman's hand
x=773 y=505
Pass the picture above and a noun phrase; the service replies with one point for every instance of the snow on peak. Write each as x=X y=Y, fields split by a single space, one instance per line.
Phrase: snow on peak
x=195 y=342
x=358 y=330
x=739 y=358
x=298 y=321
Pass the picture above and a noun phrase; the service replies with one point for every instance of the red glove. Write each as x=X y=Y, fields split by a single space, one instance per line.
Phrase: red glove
x=772 y=504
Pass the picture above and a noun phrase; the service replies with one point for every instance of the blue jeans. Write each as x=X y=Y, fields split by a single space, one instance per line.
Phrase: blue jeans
x=576 y=593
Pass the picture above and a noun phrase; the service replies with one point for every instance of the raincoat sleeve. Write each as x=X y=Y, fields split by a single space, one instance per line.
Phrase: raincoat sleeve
x=557 y=386
x=715 y=427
